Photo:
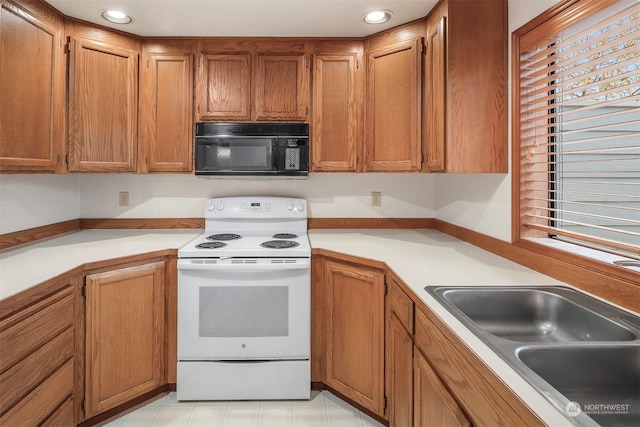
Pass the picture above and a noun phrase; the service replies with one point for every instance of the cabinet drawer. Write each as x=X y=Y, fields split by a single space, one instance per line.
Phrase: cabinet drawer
x=33 y=369
x=22 y=338
x=401 y=305
x=43 y=400
x=62 y=417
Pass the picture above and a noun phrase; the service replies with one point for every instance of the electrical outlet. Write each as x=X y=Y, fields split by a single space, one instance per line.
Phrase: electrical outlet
x=123 y=198
x=376 y=198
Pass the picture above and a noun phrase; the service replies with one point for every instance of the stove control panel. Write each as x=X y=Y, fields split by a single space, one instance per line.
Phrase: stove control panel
x=258 y=207
x=255 y=207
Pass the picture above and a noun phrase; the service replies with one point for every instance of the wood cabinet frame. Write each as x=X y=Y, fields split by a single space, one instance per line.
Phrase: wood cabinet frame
x=337 y=111
x=92 y=147
x=32 y=138
x=166 y=107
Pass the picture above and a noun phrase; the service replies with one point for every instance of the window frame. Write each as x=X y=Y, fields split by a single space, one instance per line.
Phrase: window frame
x=561 y=16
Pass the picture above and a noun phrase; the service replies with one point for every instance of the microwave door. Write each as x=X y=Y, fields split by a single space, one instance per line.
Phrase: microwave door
x=236 y=155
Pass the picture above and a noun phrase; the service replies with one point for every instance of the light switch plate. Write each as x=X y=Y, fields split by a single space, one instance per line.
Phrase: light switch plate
x=376 y=198
x=123 y=198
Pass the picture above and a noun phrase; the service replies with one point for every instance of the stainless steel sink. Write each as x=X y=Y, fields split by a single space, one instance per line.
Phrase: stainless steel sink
x=604 y=380
x=571 y=347
x=534 y=315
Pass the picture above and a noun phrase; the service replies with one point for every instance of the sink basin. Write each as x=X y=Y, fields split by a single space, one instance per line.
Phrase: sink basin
x=569 y=346
x=534 y=315
x=605 y=381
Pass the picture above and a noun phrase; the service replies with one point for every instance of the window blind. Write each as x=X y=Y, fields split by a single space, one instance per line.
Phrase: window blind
x=579 y=131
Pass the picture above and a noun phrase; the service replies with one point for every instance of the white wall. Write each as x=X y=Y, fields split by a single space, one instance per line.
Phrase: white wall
x=328 y=195
x=483 y=202
x=28 y=201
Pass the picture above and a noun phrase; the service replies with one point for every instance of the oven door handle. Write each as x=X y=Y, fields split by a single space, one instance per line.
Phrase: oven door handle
x=189 y=264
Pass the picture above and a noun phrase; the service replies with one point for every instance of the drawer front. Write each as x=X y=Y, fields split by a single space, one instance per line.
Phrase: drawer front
x=45 y=399
x=401 y=305
x=25 y=375
x=62 y=417
x=22 y=338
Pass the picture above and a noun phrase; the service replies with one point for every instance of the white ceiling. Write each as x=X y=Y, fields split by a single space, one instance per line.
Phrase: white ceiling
x=290 y=18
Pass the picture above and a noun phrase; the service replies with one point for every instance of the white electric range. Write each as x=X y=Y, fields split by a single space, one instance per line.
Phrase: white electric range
x=244 y=302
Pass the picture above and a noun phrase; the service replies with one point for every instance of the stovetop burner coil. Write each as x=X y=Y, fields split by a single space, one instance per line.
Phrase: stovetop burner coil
x=211 y=245
x=285 y=236
x=224 y=236
x=279 y=244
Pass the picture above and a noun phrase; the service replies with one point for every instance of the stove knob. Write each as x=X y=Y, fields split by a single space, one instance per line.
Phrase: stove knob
x=220 y=207
x=290 y=206
x=212 y=207
x=300 y=207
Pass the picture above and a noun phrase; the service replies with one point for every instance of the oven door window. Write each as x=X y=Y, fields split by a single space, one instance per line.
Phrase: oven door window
x=246 y=154
x=247 y=311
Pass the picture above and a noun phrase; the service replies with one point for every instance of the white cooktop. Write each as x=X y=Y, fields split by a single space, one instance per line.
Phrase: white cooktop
x=281 y=221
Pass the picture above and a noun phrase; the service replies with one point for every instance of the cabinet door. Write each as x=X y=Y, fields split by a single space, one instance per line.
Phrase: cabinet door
x=434 y=405
x=436 y=110
x=166 y=131
x=398 y=356
x=281 y=86
x=355 y=332
x=124 y=335
x=393 y=124
x=223 y=87
x=103 y=107
x=32 y=69
x=399 y=373
x=335 y=113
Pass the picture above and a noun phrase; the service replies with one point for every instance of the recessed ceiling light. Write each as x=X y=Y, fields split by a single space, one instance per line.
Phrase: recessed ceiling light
x=116 y=16
x=377 y=16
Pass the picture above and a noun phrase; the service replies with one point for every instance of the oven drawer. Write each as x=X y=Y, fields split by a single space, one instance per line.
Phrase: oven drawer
x=286 y=379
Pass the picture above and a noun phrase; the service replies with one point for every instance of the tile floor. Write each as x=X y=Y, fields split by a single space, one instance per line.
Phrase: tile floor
x=323 y=410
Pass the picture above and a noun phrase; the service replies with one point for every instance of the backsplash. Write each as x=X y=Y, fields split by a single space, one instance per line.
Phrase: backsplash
x=28 y=201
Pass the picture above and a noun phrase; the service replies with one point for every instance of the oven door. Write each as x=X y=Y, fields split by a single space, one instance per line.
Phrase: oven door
x=235 y=155
x=244 y=310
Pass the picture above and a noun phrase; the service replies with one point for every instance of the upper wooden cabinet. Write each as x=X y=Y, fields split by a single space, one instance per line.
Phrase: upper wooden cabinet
x=281 y=86
x=252 y=79
x=32 y=72
x=103 y=103
x=465 y=87
x=166 y=99
x=393 y=124
x=223 y=87
x=337 y=113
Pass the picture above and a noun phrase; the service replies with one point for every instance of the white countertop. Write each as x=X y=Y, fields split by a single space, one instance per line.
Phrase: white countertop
x=29 y=265
x=418 y=257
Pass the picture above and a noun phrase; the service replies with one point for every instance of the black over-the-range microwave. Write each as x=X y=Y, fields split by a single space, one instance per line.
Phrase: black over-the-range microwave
x=236 y=149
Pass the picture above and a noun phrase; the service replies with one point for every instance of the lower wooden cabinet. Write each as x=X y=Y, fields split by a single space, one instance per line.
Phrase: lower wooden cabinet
x=37 y=362
x=434 y=405
x=125 y=333
x=354 y=346
x=398 y=373
x=398 y=356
